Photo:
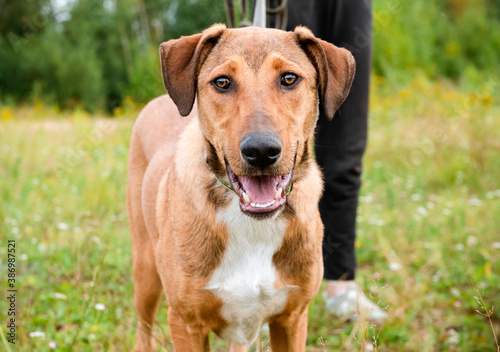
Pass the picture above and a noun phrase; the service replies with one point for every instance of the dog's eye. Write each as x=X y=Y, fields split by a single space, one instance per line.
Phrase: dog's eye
x=222 y=82
x=289 y=79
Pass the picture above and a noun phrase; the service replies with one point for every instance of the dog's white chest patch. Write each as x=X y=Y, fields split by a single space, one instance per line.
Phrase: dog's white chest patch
x=245 y=279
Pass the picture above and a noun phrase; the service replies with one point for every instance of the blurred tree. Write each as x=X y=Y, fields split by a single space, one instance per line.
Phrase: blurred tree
x=22 y=17
x=96 y=53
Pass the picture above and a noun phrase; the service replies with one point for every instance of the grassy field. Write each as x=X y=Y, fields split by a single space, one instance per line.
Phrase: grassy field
x=428 y=242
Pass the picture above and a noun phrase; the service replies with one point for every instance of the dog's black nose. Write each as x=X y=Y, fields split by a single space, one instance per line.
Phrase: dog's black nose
x=261 y=148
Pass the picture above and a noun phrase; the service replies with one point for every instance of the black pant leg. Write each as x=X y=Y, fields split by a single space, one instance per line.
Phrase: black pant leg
x=340 y=143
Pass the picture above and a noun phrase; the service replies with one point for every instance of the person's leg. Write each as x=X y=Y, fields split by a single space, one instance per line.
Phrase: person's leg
x=340 y=143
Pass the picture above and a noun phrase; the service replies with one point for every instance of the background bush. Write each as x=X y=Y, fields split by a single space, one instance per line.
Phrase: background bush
x=440 y=38
x=92 y=54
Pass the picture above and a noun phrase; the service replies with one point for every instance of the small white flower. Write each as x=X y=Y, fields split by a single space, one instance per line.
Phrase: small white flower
x=459 y=247
x=377 y=164
x=453 y=337
x=100 y=306
x=496 y=245
x=23 y=257
x=62 y=226
x=474 y=202
x=446 y=211
x=395 y=266
x=416 y=197
x=376 y=222
x=59 y=295
x=92 y=337
x=422 y=211
x=455 y=292
x=37 y=218
x=15 y=230
x=366 y=199
x=369 y=347
x=96 y=239
x=472 y=241
x=37 y=334
x=52 y=345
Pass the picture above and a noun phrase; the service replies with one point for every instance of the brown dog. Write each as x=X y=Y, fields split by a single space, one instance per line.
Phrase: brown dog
x=213 y=216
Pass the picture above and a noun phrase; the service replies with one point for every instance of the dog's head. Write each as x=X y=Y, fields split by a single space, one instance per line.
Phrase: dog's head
x=258 y=101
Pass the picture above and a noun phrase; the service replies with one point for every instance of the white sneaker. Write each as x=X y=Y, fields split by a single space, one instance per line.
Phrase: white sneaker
x=349 y=302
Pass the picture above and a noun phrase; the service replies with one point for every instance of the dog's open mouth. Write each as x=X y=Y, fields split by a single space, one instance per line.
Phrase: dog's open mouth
x=260 y=194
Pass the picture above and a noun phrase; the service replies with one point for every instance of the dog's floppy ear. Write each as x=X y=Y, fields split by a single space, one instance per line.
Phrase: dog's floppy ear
x=335 y=67
x=181 y=60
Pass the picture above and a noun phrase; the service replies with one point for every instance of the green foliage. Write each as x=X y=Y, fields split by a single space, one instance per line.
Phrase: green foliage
x=95 y=54
x=145 y=80
x=23 y=17
x=439 y=38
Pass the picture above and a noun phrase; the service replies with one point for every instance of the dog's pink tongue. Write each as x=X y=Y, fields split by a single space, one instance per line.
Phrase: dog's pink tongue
x=260 y=189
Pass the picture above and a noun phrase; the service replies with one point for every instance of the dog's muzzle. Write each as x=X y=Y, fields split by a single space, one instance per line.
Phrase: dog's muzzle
x=260 y=194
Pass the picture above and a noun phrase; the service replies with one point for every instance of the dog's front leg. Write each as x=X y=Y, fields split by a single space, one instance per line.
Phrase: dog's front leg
x=289 y=332
x=186 y=339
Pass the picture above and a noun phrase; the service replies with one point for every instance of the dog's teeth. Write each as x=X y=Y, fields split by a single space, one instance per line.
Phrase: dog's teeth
x=258 y=205
x=279 y=191
x=246 y=198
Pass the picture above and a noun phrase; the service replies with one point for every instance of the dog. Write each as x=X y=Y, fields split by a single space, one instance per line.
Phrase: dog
x=223 y=197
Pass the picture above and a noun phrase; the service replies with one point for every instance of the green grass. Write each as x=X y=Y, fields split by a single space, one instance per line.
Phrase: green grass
x=428 y=238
